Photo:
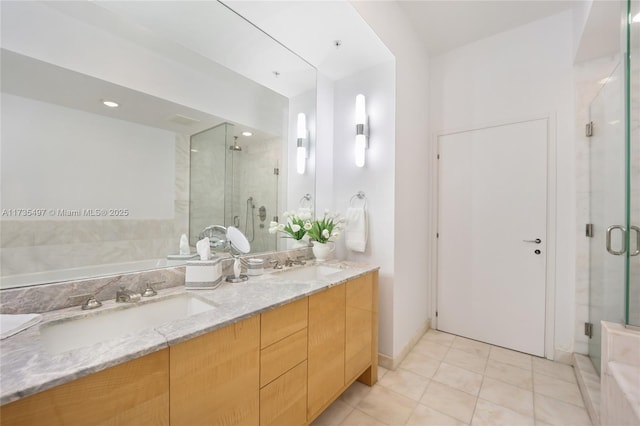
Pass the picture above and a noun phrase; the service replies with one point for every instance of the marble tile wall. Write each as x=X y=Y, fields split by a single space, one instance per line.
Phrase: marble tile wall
x=49 y=297
x=30 y=246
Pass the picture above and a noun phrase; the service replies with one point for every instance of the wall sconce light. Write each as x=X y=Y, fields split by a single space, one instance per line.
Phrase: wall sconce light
x=362 y=130
x=301 y=150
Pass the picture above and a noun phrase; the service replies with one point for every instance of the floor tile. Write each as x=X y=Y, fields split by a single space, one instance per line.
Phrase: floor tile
x=458 y=378
x=471 y=346
x=554 y=369
x=381 y=372
x=450 y=401
x=439 y=337
x=554 y=412
x=425 y=416
x=509 y=374
x=355 y=393
x=431 y=349
x=405 y=383
x=467 y=360
x=333 y=415
x=387 y=406
x=558 y=389
x=490 y=414
x=420 y=364
x=506 y=395
x=507 y=356
x=358 y=418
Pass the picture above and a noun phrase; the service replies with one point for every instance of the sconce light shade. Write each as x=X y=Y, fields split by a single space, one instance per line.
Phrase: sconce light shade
x=361 y=112
x=361 y=130
x=301 y=150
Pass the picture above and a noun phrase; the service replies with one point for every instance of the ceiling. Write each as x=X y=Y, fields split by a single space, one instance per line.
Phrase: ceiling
x=311 y=28
x=442 y=25
x=447 y=24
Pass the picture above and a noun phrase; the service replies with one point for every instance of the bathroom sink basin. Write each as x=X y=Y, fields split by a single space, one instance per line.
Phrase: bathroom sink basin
x=315 y=272
x=73 y=333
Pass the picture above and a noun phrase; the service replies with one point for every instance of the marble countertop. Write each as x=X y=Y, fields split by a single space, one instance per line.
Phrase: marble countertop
x=26 y=367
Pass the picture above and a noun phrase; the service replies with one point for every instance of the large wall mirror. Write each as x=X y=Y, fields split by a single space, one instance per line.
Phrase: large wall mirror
x=204 y=134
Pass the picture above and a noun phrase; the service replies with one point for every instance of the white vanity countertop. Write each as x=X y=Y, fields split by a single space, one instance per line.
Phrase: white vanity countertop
x=27 y=368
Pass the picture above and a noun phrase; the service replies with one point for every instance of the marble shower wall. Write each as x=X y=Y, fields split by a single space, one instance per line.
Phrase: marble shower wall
x=31 y=246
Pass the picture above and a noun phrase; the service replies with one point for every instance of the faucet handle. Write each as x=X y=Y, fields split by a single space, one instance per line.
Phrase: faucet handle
x=91 y=303
x=149 y=291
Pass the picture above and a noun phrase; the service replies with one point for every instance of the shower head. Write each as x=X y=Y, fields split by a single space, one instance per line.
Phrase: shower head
x=235 y=146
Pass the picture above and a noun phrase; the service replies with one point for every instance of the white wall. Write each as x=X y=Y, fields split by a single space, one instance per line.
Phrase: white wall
x=406 y=295
x=88 y=162
x=375 y=178
x=42 y=32
x=517 y=74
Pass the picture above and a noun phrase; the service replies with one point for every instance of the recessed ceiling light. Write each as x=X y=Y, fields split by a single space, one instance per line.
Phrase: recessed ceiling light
x=110 y=104
x=247 y=134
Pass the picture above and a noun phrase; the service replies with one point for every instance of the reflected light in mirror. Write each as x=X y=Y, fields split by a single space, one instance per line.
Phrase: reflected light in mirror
x=301 y=150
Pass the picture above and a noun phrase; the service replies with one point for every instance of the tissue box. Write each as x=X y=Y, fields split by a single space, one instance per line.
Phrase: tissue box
x=203 y=274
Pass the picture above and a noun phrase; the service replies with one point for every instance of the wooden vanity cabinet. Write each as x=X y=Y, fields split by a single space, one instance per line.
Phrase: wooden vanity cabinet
x=283 y=365
x=358 y=328
x=343 y=340
x=215 y=377
x=134 y=393
x=326 y=348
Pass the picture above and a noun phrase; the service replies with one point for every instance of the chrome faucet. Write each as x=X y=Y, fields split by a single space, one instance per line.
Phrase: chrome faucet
x=126 y=296
x=275 y=263
x=298 y=261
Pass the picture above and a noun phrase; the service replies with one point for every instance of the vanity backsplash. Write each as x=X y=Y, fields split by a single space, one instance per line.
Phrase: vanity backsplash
x=50 y=297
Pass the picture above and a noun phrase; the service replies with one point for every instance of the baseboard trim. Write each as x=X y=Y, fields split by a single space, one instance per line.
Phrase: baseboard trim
x=391 y=363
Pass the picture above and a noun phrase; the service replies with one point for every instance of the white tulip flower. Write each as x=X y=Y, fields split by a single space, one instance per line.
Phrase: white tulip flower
x=307 y=226
x=326 y=233
x=295 y=227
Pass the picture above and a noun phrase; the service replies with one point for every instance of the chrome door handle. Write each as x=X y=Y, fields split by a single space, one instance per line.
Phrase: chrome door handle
x=536 y=241
x=637 y=251
x=624 y=241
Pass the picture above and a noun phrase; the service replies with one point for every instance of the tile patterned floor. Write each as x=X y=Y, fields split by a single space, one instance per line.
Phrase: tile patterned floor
x=450 y=380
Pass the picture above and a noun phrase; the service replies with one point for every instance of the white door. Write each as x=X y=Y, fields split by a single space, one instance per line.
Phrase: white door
x=492 y=210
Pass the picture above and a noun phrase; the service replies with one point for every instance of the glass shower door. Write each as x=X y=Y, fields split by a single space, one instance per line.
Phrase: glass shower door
x=607 y=250
x=633 y=110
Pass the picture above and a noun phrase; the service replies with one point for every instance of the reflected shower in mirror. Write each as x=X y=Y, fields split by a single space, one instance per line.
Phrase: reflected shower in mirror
x=248 y=169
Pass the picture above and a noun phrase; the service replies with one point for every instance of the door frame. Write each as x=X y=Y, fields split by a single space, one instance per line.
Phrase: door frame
x=550 y=285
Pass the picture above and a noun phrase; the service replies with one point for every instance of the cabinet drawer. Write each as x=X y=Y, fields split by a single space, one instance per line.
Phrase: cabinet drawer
x=284 y=401
x=283 y=321
x=282 y=356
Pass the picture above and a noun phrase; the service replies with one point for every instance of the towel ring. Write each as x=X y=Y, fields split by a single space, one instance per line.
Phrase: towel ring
x=306 y=199
x=359 y=196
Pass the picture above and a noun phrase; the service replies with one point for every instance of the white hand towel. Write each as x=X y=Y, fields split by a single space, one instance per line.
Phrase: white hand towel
x=356 y=229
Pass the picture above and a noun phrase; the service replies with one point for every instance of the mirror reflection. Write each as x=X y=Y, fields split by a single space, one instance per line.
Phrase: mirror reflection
x=90 y=190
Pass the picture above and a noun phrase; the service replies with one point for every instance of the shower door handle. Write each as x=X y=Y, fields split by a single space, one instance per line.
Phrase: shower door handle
x=637 y=251
x=624 y=240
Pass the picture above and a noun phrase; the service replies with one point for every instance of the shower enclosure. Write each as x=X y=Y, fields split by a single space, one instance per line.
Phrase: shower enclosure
x=614 y=160
x=234 y=182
